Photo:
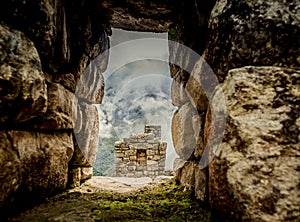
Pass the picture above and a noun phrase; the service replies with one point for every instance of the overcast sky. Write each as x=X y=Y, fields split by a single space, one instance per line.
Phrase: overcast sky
x=138 y=61
x=128 y=47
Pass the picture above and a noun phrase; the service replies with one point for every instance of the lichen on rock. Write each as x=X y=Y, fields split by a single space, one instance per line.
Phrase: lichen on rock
x=255 y=175
x=252 y=32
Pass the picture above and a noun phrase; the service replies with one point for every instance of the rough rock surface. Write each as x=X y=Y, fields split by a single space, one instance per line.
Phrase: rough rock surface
x=200 y=85
x=59 y=111
x=178 y=94
x=245 y=33
x=90 y=87
x=79 y=174
x=189 y=27
x=22 y=83
x=254 y=175
x=41 y=64
x=185 y=130
x=253 y=33
x=67 y=34
x=141 y=15
x=192 y=177
x=33 y=162
x=87 y=139
x=10 y=175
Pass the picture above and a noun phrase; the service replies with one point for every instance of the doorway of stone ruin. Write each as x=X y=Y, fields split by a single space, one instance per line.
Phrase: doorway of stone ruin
x=137 y=93
x=141 y=157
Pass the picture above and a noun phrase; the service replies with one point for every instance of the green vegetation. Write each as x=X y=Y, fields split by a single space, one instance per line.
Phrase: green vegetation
x=104 y=164
x=164 y=201
x=172 y=31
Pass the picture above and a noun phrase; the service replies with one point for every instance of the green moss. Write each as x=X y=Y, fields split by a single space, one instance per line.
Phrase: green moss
x=172 y=31
x=163 y=202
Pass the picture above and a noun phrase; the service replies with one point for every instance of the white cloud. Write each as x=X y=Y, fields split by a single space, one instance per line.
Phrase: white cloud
x=130 y=79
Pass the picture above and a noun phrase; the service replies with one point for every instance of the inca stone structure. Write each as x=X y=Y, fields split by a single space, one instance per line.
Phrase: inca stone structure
x=47 y=47
x=141 y=154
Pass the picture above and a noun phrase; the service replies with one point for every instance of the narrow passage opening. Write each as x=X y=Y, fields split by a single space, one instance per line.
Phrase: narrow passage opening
x=137 y=96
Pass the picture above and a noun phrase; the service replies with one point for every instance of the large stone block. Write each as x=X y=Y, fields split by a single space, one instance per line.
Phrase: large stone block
x=178 y=94
x=96 y=57
x=67 y=34
x=200 y=85
x=42 y=22
x=87 y=138
x=67 y=80
x=59 y=112
x=253 y=32
x=91 y=85
x=254 y=175
x=33 y=162
x=186 y=128
x=22 y=83
x=140 y=17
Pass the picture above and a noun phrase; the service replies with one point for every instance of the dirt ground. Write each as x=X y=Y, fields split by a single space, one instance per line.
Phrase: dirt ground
x=115 y=184
x=119 y=199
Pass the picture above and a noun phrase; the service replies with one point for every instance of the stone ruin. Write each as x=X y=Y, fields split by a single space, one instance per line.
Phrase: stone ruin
x=141 y=154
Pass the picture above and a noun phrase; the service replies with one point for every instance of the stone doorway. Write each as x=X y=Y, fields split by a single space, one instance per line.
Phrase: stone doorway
x=141 y=156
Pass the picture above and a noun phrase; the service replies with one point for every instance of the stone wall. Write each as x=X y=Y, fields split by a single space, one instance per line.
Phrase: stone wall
x=191 y=30
x=244 y=181
x=49 y=128
x=141 y=155
x=45 y=49
x=155 y=130
x=254 y=175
